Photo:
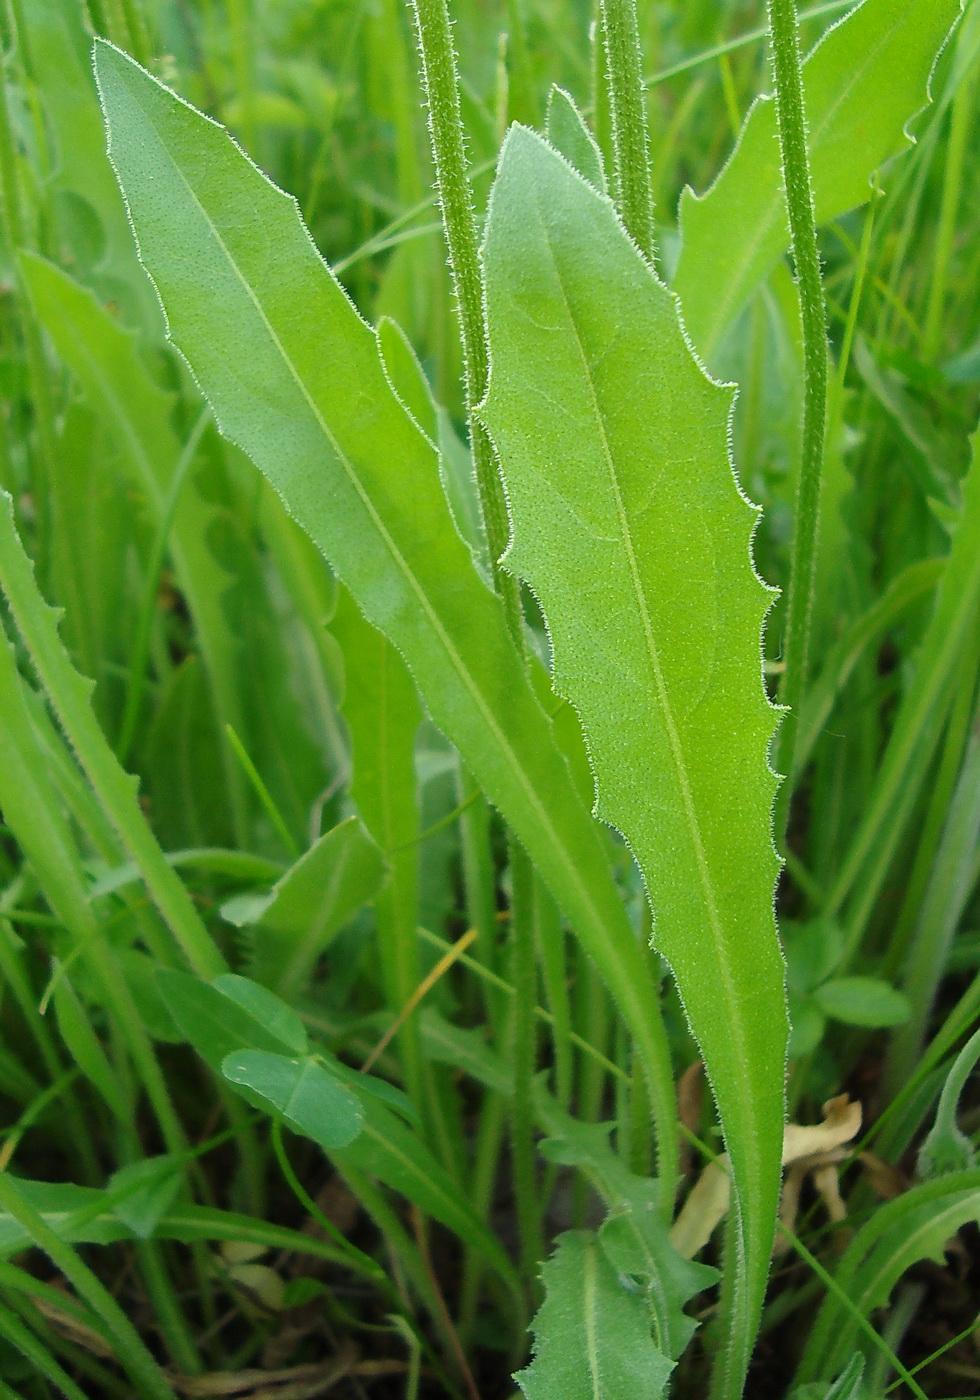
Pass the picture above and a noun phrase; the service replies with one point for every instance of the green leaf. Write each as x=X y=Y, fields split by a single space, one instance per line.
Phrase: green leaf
x=917 y=1225
x=86 y=1215
x=218 y=1024
x=846 y=1387
x=295 y=377
x=862 y=1001
x=240 y=639
x=283 y=1022
x=308 y=906
x=465 y=1050
x=70 y=696
x=568 y=133
x=309 y=1097
x=592 y=1336
x=383 y=715
x=106 y=360
x=394 y=1154
x=75 y=1213
x=370 y=1084
x=946 y=1147
x=407 y=376
x=634 y=1235
x=88 y=214
x=85 y=1048
x=149 y=1188
x=807 y=1026
x=613 y=446
x=812 y=950
x=140 y=972
x=864 y=81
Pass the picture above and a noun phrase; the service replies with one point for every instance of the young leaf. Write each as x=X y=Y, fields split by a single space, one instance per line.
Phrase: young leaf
x=592 y=1336
x=629 y=525
x=946 y=1147
x=634 y=1235
x=865 y=80
x=294 y=375
x=846 y=1387
x=296 y=921
x=309 y=1097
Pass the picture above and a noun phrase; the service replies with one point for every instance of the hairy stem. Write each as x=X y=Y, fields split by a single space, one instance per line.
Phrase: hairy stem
x=791 y=117
x=441 y=81
x=631 y=140
x=524 y=1059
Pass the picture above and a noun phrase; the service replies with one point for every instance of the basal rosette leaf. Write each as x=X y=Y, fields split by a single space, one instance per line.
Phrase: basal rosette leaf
x=630 y=527
x=592 y=1335
x=295 y=377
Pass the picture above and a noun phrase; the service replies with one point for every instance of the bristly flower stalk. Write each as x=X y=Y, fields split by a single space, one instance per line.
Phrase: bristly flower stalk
x=791 y=118
x=440 y=79
x=631 y=138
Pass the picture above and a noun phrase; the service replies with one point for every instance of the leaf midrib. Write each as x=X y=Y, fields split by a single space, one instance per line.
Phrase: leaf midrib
x=674 y=739
x=434 y=621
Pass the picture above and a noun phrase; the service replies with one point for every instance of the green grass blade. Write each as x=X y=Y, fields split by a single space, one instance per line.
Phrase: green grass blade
x=148 y=1380
x=18 y=1335
x=295 y=377
x=70 y=695
x=918 y=722
x=106 y=361
x=630 y=528
x=298 y=919
x=392 y=1152
x=864 y=82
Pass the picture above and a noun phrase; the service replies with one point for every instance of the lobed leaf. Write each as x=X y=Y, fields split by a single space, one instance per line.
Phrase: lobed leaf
x=629 y=525
x=917 y=1225
x=634 y=1235
x=592 y=1336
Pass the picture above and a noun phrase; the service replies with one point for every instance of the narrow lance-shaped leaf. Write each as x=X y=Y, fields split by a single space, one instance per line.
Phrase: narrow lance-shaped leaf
x=295 y=377
x=865 y=80
x=631 y=529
